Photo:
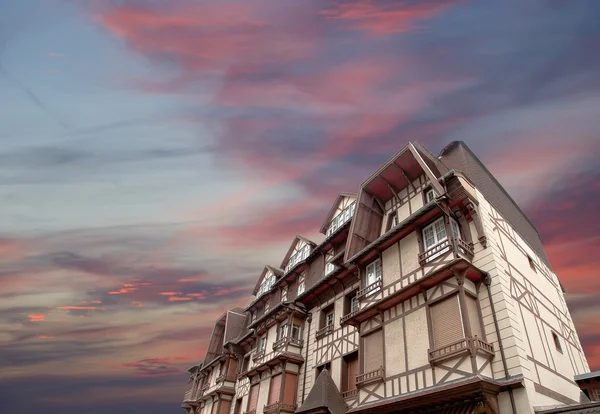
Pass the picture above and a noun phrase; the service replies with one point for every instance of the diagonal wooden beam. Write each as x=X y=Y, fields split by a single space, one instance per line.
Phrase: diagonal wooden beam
x=407 y=179
x=432 y=178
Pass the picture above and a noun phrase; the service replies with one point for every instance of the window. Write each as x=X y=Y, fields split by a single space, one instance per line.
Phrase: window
x=245 y=364
x=392 y=220
x=434 y=234
x=296 y=331
x=556 y=342
x=329 y=267
x=275 y=389
x=329 y=319
x=350 y=303
x=350 y=371
x=430 y=195
x=262 y=344
x=284 y=293
x=283 y=330
x=238 y=406
x=531 y=263
x=326 y=366
x=300 y=288
x=301 y=284
x=373 y=272
x=253 y=398
x=267 y=307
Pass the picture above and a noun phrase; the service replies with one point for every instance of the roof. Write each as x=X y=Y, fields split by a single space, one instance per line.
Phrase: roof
x=324 y=396
x=334 y=206
x=588 y=376
x=457 y=155
x=588 y=408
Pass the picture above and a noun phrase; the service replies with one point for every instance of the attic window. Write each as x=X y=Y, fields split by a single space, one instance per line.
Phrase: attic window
x=339 y=220
x=556 y=342
x=531 y=263
x=266 y=285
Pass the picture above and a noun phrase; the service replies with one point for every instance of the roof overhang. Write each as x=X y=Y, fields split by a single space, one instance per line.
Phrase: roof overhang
x=474 y=388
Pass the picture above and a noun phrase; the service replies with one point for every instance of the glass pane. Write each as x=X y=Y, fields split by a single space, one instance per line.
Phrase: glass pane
x=429 y=238
x=440 y=230
x=455 y=228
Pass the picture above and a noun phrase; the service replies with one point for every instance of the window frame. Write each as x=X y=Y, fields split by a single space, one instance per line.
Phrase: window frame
x=426 y=193
x=377 y=265
x=556 y=340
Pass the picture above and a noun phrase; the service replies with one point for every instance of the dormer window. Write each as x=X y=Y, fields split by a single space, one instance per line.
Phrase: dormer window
x=284 y=293
x=339 y=220
x=297 y=258
x=266 y=285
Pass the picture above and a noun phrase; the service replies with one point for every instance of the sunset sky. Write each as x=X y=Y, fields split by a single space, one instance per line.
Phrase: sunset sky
x=157 y=154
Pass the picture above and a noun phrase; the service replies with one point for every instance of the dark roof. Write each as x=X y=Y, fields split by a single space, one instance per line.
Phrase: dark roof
x=589 y=408
x=324 y=395
x=457 y=156
x=587 y=376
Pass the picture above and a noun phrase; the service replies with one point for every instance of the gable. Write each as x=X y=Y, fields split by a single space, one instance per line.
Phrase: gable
x=267 y=272
x=342 y=201
x=299 y=248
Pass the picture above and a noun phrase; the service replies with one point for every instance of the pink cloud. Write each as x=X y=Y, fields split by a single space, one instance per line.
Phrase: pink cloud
x=36 y=317
x=45 y=337
x=178 y=299
x=383 y=18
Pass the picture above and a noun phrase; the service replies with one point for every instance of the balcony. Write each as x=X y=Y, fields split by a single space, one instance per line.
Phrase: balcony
x=372 y=288
x=341 y=219
x=326 y=330
x=279 y=408
x=348 y=316
x=369 y=377
x=189 y=395
x=283 y=342
x=454 y=244
x=350 y=393
x=467 y=345
x=258 y=355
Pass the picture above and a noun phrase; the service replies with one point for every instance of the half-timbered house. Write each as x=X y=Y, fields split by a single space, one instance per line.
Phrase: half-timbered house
x=430 y=292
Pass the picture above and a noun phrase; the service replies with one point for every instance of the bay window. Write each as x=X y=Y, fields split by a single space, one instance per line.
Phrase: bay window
x=435 y=234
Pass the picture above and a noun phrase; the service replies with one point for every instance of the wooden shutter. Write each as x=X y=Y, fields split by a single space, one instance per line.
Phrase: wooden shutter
x=446 y=320
x=352 y=373
x=373 y=351
x=474 y=318
x=289 y=390
x=253 y=400
x=275 y=389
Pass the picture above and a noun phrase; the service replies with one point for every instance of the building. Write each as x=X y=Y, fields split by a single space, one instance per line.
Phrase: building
x=431 y=292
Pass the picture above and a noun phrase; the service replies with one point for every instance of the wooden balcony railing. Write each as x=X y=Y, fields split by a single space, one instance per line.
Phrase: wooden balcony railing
x=279 y=408
x=258 y=355
x=349 y=315
x=434 y=252
x=470 y=345
x=189 y=395
x=373 y=287
x=326 y=330
x=287 y=340
x=368 y=377
x=252 y=411
x=464 y=248
x=350 y=393
x=456 y=244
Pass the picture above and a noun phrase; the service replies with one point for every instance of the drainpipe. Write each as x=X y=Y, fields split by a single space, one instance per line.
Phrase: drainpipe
x=487 y=281
x=309 y=320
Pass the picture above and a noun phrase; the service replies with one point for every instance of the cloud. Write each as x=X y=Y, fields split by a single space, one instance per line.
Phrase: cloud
x=386 y=17
x=36 y=317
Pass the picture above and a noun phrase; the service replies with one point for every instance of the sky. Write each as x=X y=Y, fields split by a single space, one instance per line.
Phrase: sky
x=157 y=154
